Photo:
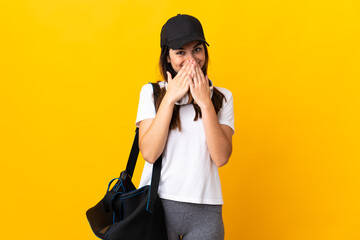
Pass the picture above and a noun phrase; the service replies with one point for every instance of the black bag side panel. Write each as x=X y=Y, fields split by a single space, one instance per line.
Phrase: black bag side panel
x=99 y=219
x=140 y=224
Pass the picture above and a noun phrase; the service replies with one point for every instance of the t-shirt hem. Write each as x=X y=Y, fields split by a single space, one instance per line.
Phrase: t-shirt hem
x=215 y=201
x=228 y=124
x=137 y=122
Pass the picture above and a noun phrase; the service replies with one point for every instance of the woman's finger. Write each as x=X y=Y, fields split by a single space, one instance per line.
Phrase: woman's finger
x=197 y=75
x=169 y=78
x=187 y=79
x=191 y=84
x=200 y=74
x=183 y=70
x=192 y=71
x=186 y=72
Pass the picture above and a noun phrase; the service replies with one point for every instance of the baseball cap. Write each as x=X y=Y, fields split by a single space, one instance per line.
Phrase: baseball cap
x=181 y=29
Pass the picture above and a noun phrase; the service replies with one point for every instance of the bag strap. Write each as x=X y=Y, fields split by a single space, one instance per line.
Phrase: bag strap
x=134 y=153
x=155 y=179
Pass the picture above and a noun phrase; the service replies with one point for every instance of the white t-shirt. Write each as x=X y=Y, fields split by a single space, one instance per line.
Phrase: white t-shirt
x=188 y=174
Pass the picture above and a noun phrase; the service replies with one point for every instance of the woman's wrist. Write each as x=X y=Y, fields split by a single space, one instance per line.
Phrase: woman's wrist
x=206 y=105
x=168 y=100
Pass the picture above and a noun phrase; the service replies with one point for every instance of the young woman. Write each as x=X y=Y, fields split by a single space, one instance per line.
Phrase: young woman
x=192 y=128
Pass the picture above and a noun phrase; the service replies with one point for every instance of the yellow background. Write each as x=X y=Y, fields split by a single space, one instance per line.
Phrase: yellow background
x=71 y=72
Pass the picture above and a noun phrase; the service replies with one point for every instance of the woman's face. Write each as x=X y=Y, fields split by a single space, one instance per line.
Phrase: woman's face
x=193 y=50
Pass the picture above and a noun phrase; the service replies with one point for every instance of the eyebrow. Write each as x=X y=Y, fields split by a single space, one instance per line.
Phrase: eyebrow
x=194 y=46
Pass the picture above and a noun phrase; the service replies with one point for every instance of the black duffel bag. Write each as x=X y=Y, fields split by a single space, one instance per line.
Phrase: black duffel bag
x=127 y=213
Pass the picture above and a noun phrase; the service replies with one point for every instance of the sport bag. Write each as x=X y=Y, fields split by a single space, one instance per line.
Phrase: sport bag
x=127 y=213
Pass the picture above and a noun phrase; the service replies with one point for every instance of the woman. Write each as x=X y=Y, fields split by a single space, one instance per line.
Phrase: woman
x=192 y=128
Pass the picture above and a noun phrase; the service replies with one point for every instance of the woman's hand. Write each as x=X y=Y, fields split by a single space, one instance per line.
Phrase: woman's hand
x=179 y=86
x=199 y=86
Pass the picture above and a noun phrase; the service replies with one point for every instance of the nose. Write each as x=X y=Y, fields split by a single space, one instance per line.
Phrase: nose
x=191 y=58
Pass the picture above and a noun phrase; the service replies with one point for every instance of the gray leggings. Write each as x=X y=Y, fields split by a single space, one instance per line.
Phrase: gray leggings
x=193 y=221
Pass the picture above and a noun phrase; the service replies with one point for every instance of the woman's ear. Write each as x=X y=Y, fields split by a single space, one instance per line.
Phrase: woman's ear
x=168 y=59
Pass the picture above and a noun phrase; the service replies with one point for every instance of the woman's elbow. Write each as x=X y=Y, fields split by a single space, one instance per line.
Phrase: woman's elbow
x=151 y=161
x=145 y=154
x=147 y=157
x=222 y=162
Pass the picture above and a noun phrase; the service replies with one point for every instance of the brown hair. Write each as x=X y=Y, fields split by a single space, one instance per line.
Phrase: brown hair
x=164 y=66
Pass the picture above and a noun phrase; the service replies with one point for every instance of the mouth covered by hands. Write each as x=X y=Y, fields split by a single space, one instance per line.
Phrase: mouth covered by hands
x=179 y=86
x=190 y=79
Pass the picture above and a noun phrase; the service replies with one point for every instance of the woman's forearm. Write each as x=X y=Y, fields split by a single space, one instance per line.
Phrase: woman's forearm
x=219 y=145
x=152 y=139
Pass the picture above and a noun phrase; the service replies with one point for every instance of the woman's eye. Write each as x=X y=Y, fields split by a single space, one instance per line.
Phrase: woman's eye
x=181 y=52
x=197 y=49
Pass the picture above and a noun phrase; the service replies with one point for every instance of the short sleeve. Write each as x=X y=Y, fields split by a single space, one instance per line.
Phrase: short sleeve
x=146 y=107
x=226 y=113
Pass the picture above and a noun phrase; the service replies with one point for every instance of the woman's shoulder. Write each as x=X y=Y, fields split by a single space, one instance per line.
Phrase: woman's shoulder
x=224 y=91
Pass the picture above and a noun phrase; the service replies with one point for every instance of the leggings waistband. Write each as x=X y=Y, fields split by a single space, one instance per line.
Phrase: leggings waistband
x=175 y=206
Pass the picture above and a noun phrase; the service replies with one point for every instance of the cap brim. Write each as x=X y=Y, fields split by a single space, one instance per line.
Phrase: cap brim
x=178 y=43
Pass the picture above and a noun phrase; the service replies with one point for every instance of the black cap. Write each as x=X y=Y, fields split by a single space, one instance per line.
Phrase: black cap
x=180 y=30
